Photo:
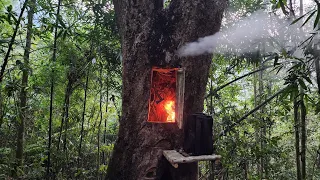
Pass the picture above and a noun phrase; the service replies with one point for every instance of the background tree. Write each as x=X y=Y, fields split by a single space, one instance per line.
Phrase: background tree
x=23 y=108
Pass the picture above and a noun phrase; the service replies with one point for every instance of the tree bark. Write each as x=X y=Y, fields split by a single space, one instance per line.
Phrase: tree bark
x=262 y=122
x=301 y=8
x=291 y=9
x=150 y=37
x=65 y=113
x=99 y=126
x=303 y=137
x=83 y=116
x=23 y=92
x=1 y=105
x=317 y=66
x=105 y=120
x=297 y=137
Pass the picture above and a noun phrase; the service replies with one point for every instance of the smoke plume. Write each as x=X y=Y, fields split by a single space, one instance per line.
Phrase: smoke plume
x=259 y=32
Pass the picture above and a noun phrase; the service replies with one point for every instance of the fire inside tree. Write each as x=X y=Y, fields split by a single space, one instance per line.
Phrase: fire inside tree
x=166 y=95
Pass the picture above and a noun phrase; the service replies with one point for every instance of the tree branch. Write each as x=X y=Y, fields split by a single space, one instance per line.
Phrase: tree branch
x=212 y=93
x=229 y=128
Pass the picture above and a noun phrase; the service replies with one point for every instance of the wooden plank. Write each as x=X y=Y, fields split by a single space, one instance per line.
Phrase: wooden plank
x=176 y=158
x=180 y=96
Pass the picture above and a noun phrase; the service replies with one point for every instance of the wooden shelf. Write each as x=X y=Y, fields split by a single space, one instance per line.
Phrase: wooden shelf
x=176 y=158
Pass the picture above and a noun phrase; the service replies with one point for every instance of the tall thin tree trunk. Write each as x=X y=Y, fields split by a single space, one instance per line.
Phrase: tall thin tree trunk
x=105 y=120
x=23 y=93
x=317 y=66
x=304 y=114
x=93 y=128
x=83 y=115
x=13 y=37
x=291 y=9
x=268 y=130
x=54 y=57
x=1 y=106
x=303 y=137
x=297 y=137
x=301 y=7
x=262 y=122
x=65 y=114
x=211 y=111
x=99 y=126
x=256 y=102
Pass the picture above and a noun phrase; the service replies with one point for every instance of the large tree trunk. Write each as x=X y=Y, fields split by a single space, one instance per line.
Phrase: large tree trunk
x=150 y=37
x=23 y=93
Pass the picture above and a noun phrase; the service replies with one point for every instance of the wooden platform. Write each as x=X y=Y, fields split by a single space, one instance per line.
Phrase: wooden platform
x=176 y=158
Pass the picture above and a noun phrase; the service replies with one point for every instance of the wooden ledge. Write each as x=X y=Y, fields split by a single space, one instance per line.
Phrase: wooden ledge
x=176 y=158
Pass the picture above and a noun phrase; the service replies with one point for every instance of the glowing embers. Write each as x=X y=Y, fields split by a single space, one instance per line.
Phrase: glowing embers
x=166 y=95
x=169 y=107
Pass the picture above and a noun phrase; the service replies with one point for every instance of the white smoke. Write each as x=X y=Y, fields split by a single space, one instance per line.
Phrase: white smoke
x=260 y=31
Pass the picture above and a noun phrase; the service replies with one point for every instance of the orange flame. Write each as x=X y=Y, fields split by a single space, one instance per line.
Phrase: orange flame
x=169 y=107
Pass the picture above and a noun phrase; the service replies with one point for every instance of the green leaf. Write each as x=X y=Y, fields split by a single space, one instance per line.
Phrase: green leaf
x=298 y=19
x=61 y=22
x=276 y=59
x=317 y=108
x=284 y=94
x=15 y=19
x=9 y=8
x=279 y=69
x=317 y=18
x=302 y=84
x=9 y=18
x=309 y=17
x=65 y=34
x=282 y=3
x=307 y=79
x=284 y=53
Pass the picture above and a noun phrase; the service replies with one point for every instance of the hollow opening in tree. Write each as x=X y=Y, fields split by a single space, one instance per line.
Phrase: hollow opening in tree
x=166 y=95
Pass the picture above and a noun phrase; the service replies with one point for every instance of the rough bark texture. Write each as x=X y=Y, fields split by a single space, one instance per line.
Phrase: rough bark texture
x=150 y=37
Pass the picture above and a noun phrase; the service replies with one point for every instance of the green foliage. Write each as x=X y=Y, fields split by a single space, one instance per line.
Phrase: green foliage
x=87 y=39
